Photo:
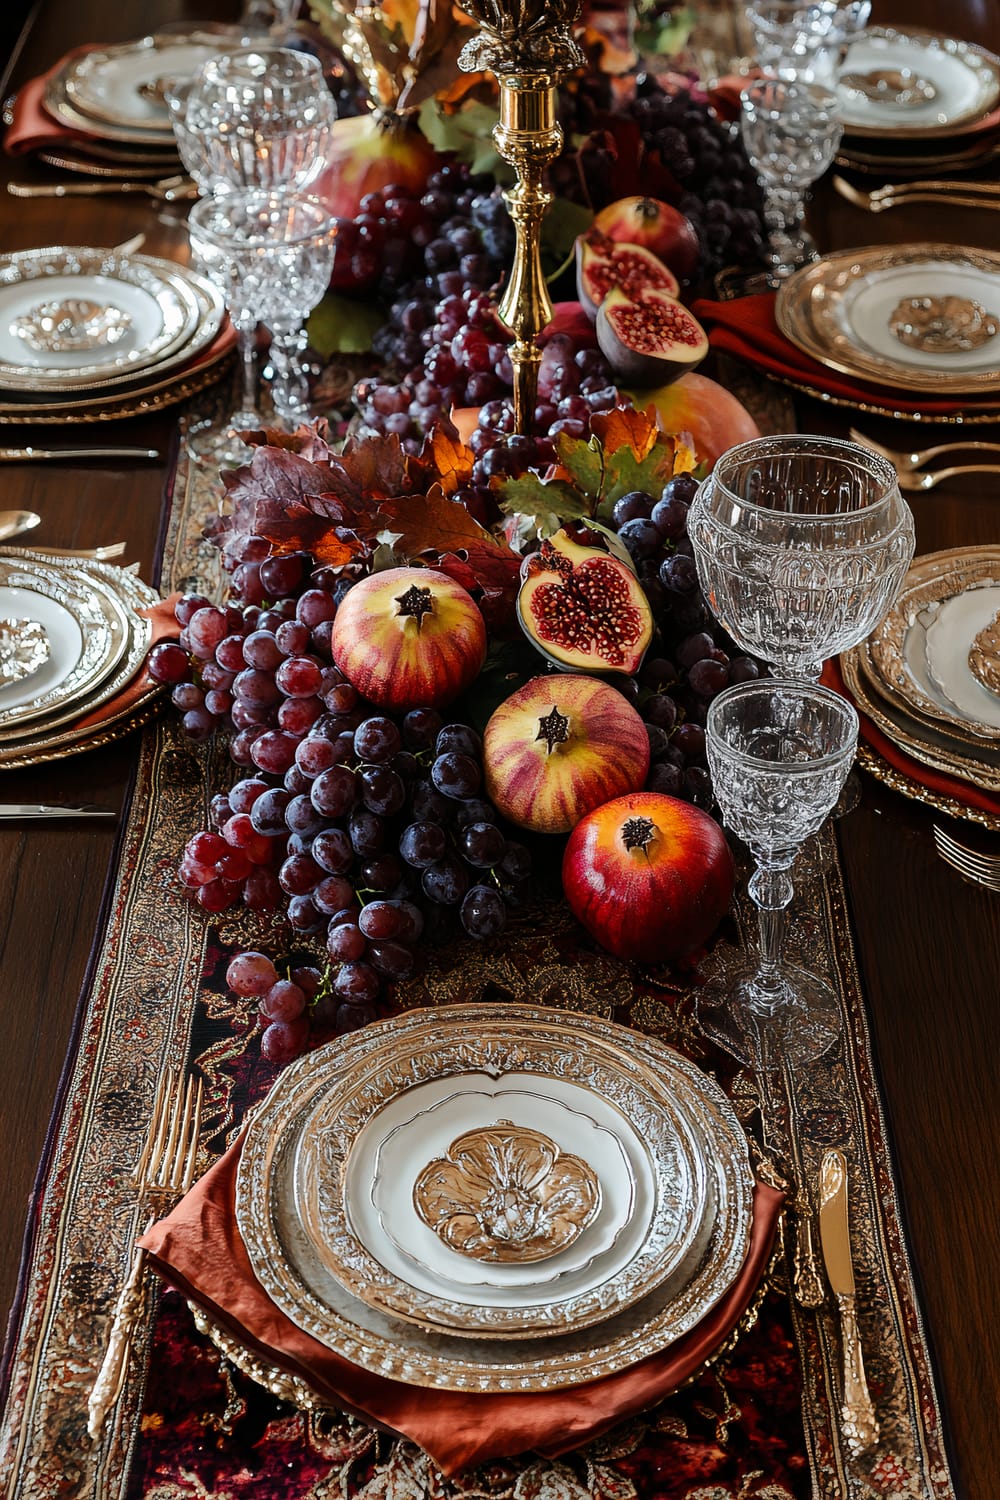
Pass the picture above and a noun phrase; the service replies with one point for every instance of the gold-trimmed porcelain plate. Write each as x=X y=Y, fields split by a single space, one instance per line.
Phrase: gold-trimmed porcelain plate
x=909 y=667
x=961 y=83
x=282 y=1257
x=493 y=1073
x=839 y=310
x=118 y=85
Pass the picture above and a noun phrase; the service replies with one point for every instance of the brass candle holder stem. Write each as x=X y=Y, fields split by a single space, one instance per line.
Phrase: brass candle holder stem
x=528 y=136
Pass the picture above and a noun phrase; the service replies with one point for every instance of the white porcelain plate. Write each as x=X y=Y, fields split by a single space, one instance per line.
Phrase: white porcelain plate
x=949 y=638
x=965 y=81
x=119 y=84
x=65 y=645
x=864 y=312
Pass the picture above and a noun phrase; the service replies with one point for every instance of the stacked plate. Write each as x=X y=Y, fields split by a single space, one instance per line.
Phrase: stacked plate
x=929 y=677
x=495 y=1199
x=916 y=102
x=114 y=97
x=88 y=644
x=915 y=318
x=87 y=334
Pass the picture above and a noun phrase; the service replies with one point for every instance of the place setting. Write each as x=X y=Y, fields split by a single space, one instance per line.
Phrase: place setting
x=88 y=333
x=74 y=635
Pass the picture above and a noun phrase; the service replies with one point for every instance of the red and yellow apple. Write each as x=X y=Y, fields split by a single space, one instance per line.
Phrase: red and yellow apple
x=368 y=152
x=559 y=747
x=409 y=638
x=715 y=419
x=649 y=876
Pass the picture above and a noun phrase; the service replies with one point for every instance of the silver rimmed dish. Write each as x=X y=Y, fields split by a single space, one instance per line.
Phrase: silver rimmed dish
x=340 y=1141
x=914 y=85
x=847 y=310
x=284 y=1260
x=87 y=638
x=72 y=319
x=122 y=85
x=919 y=655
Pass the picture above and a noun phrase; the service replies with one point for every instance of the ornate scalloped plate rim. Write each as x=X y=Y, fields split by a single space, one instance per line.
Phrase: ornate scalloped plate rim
x=136 y=403
x=661 y=1252
x=914 y=791
x=76 y=79
x=568 y=1360
x=937 y=757
x=977 y=59
x=793 y=314
x=885 y=646
x=101 y=645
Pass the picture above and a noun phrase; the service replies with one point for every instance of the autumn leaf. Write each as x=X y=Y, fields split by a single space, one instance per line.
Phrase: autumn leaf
x=299 y=529
x=378 y=467
x=544 y=505
x=626 y=425
x=583 y=461
x=451 y=460
x=432 y=523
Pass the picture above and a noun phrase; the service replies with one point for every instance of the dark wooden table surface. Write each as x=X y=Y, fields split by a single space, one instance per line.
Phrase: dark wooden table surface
x=928 y=944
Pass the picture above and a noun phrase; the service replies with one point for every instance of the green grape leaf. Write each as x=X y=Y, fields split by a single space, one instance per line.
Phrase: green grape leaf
x=583 y=460
x=542 y=507
x=467 y=133
x=343 y=325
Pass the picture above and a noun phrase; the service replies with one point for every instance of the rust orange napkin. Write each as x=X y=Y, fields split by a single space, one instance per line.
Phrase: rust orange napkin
x=936 y=781
x=198 y=1249
x=746 y=328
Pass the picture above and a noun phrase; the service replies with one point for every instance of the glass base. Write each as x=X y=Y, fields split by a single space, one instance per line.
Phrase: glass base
x=804 y=1027
x=217 y=446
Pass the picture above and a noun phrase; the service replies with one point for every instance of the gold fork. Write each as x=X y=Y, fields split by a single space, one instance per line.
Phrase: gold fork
x=165 y=1170
x=971 y=864
x=921 y=456
x=903 y=195
x=910 y=480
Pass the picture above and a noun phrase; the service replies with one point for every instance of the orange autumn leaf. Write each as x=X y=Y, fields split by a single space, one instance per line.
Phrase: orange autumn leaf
x=625 y=427
x=451 y=458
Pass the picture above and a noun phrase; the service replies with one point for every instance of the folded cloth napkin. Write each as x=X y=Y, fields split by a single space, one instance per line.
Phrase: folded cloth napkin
x=936 y=781
x=198 y=1249
x=746 y=328
x=165 y=628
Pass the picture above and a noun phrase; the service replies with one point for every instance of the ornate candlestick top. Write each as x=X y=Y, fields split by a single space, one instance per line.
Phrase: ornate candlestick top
x=522 y=36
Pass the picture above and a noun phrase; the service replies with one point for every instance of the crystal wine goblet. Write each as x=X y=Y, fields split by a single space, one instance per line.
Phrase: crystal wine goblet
x=801 y=545
x=791 y=133
x=804 y=38
x=272 y=255
x=258 y=117
x=779 y=752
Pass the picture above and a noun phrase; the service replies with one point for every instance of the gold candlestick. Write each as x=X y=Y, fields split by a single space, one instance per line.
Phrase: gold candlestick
x=527 y=45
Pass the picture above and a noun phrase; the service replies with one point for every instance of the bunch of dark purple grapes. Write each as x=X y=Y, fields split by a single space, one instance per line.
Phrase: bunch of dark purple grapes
x=692 y=659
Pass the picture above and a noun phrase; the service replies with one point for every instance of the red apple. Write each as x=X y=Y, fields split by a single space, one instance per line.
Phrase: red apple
x=560 y=746
x=409 y=638
x=705 y=409
x=368 y=152
x=649 y=876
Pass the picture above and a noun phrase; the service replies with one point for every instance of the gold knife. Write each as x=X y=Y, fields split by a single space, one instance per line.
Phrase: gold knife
x=858 y=1418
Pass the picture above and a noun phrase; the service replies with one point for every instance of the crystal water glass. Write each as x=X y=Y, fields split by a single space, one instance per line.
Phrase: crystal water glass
x=271 y=254
x=801 y=545
x=804 y=38
x=779 y=753
x=791 y=132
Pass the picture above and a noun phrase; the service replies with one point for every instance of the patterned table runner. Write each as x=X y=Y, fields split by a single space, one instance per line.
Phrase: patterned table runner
x=761 y=1421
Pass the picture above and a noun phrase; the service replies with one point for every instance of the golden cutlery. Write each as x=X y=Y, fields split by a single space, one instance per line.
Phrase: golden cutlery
x=905 y=195
x=973 y=865
x=107 y=553
x=860 y=1425
x=921 y=456
x=166 y=1169
x=910 y=480
x=167 y=189
x=30 y=455
x=936 y=185
x=806 y=1276
x=13 y=522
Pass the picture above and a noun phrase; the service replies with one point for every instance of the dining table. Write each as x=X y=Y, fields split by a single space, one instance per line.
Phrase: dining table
x=927 y=942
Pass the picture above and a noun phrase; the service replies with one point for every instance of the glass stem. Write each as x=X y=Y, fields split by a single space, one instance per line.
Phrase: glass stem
x=289 y=388
x=246 y=338
x=771 y=891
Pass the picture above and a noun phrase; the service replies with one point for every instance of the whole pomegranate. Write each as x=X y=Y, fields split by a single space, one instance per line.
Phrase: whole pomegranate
x=560 y=746
x=649 y=876
x=409 y=638
x=657 y=227
x=368 y=152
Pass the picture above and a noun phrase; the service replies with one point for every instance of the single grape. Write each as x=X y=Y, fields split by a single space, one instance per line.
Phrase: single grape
x=251 y=974
x=377 y=740
x=168 y=662
x=482 y=844
x=456 y=775
x=284 y=1001
x=283 y=1041
x=482 y=913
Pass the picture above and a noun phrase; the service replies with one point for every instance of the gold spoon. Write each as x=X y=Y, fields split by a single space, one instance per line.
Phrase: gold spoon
x=13 y=522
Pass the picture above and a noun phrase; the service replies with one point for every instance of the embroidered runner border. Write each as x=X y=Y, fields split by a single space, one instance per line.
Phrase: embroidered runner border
x=155 y=998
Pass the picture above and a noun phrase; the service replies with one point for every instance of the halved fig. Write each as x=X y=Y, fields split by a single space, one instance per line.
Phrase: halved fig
x=650 y=340
x=583 y=608
x=602 y=264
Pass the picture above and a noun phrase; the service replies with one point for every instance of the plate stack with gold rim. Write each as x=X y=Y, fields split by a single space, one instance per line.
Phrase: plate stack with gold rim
x=495 y=1198
x=72 y=644
x=929 y=677
x=90 y=334
x=917 y=103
